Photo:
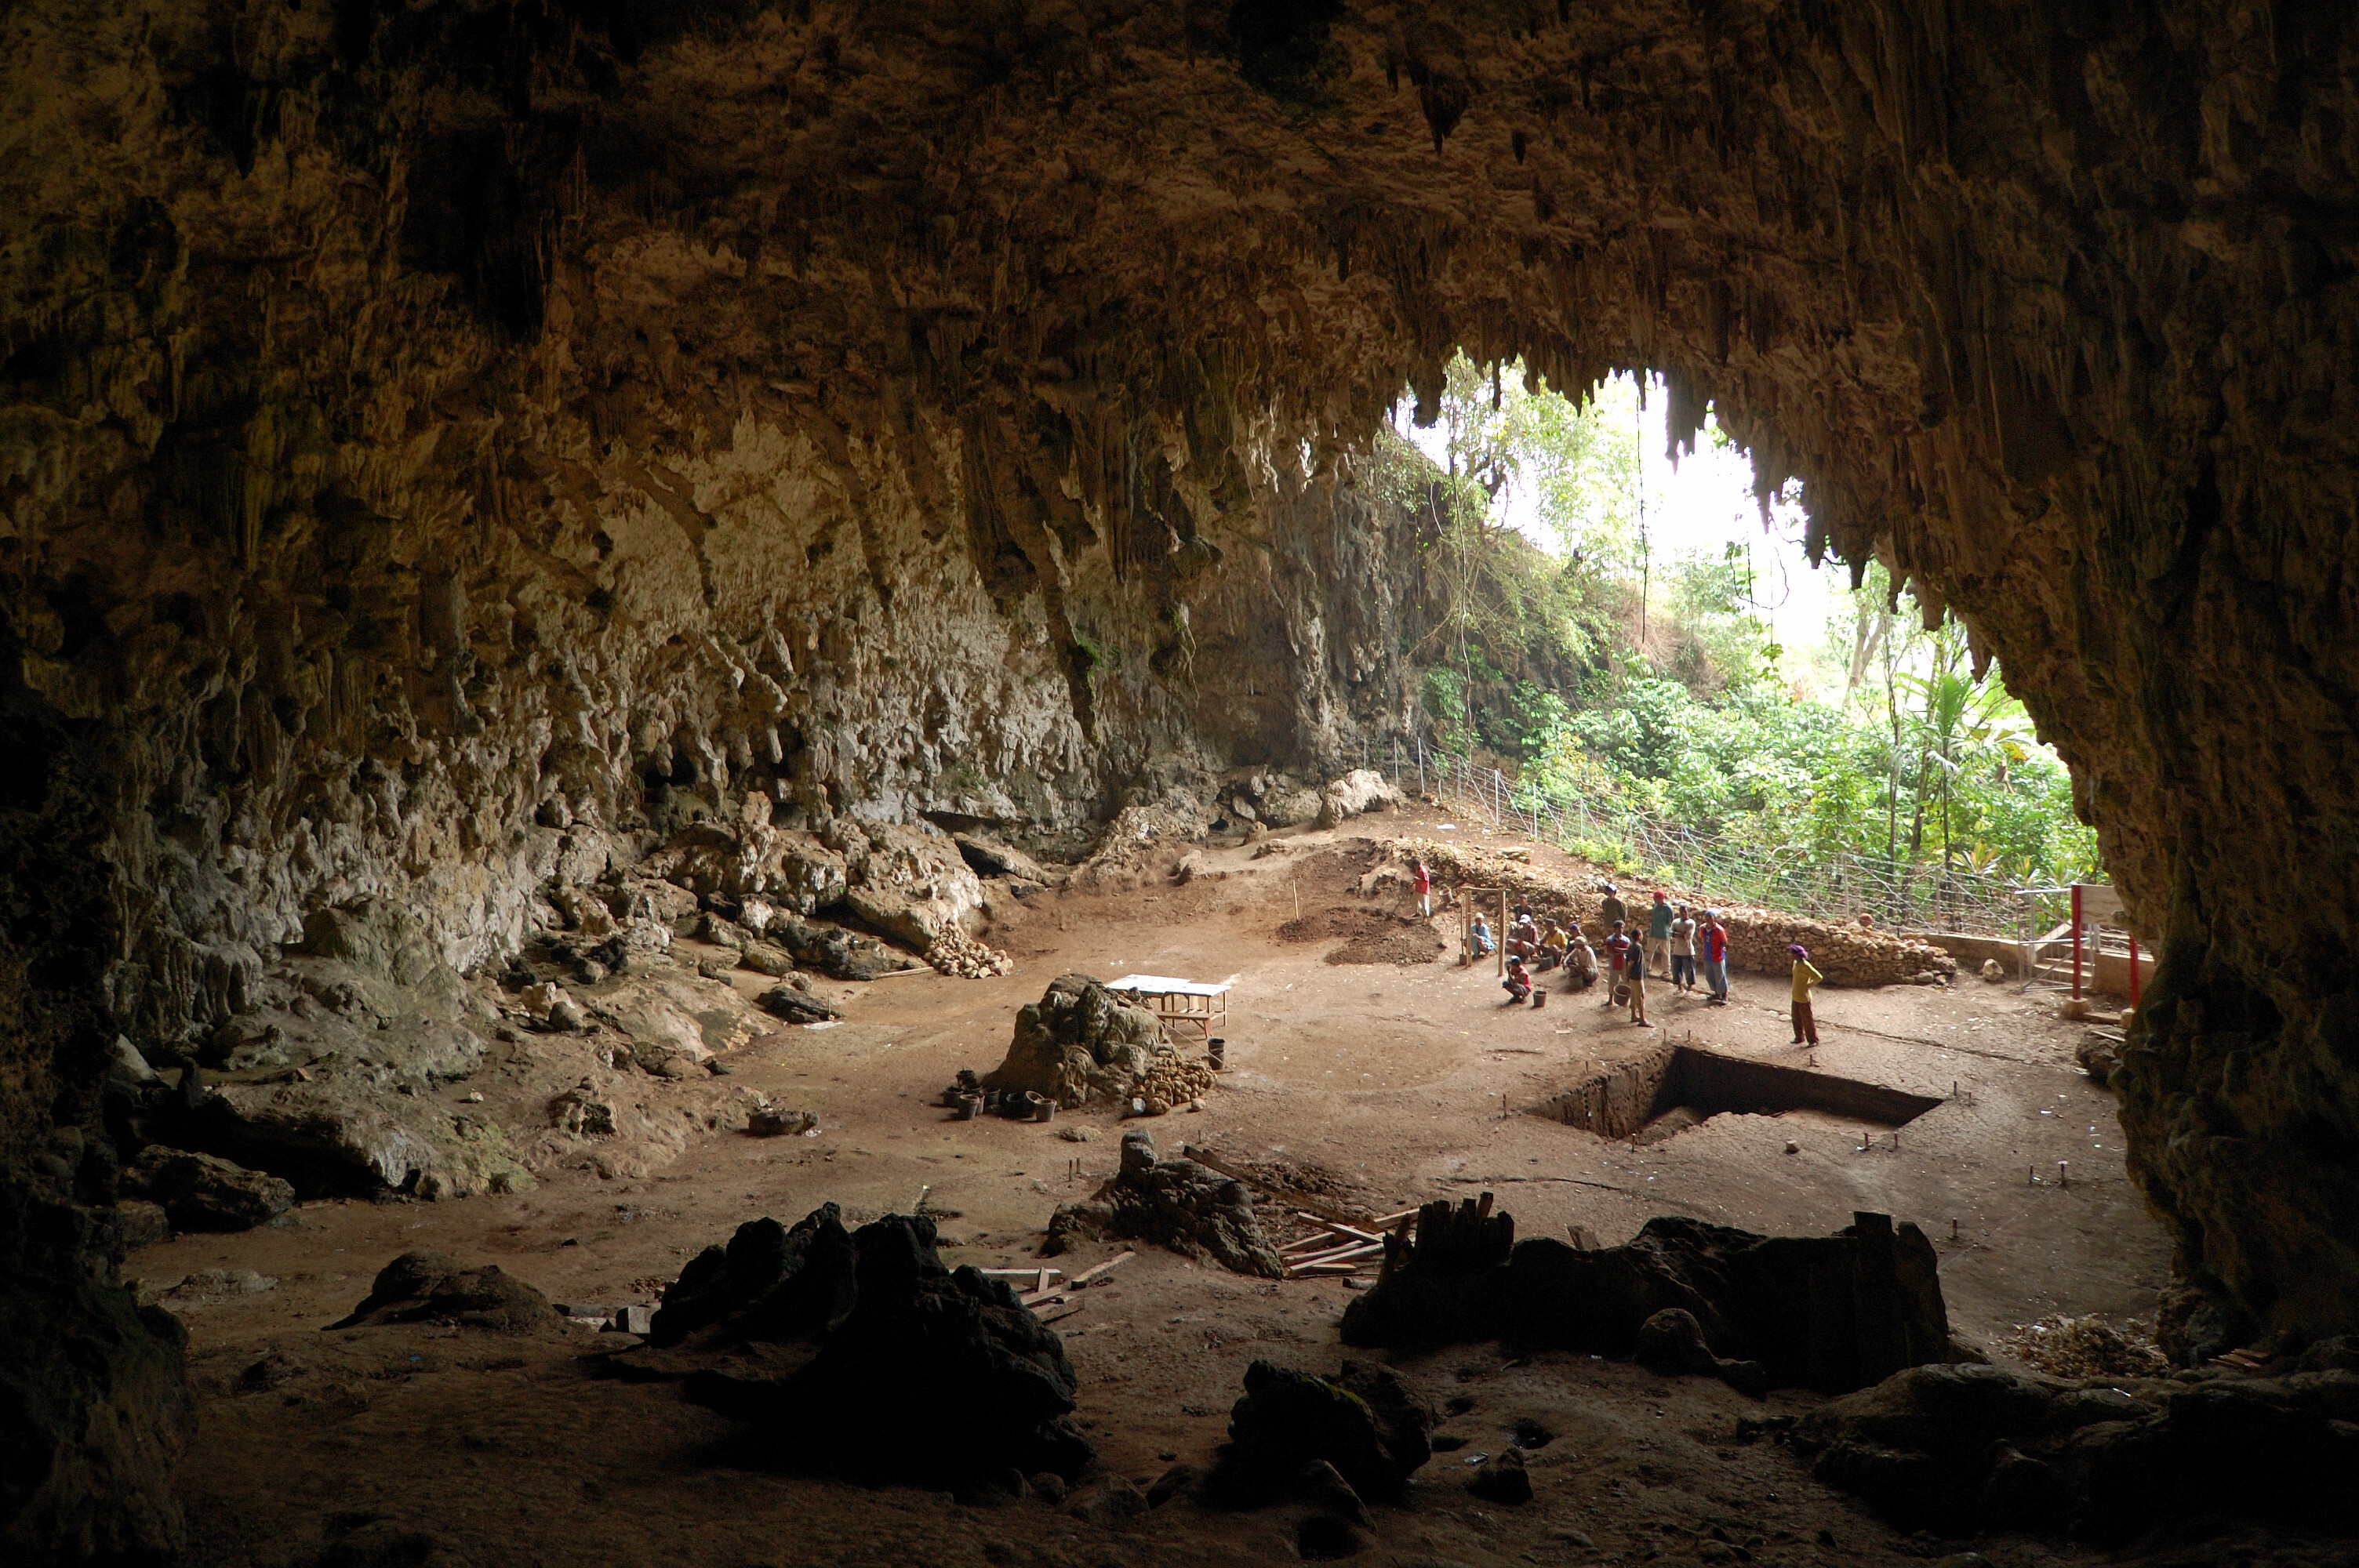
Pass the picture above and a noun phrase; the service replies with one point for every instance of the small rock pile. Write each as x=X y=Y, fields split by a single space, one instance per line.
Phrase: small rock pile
x=956 y=952
x=1178 y=1204
x=2088 y=1347
x=1173 y=1080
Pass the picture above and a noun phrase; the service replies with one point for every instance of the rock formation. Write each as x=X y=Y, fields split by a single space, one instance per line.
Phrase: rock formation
x=448 y=449
x=871 y=1358
x=1833 y=1313
x=1178 y=1204
x=1078 y=1043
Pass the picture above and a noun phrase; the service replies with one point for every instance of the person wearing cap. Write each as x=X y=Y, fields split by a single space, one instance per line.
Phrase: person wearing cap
x=1712 y=947
x=1518 y=983
x=1611 y=911
x=1805 y=1026
x=1658 y=936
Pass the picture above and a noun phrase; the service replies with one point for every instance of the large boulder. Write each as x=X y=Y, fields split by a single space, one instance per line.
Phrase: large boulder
x=909 y=881
x=343 y=1134
x=1080 y=1043
x=433 y=1287
x=94 y=1410
x=202 y=1192
x=920 y=1374
x=1365 y=1422
x=1965 y=1450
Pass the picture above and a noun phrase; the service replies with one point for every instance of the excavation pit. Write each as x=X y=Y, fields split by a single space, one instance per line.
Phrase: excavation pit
x=1673 y=1088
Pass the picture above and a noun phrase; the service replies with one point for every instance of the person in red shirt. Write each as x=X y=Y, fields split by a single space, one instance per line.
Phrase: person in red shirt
x=1712 y=947
x=1424 y=880
x=1618 y=949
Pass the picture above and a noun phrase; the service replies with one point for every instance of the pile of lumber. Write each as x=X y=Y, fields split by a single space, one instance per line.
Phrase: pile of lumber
x=1334 y=1248
x=1039 y=1289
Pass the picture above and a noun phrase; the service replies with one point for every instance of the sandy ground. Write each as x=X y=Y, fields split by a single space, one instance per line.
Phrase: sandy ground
x=1403 y=1082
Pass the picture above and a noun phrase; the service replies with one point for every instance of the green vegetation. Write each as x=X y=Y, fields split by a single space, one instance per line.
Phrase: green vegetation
x=1645 y=694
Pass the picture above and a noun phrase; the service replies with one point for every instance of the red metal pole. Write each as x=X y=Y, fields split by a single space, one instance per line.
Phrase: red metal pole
x=2134 y=978
x=2076 y=939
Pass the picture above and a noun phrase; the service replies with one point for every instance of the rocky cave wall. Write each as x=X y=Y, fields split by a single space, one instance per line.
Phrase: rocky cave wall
x=435 y=435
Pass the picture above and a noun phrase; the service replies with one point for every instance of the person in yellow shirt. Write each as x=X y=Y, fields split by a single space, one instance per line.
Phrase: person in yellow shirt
x=1806 y=978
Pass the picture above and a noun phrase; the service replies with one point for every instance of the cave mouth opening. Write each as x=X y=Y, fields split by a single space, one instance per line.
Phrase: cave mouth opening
x=1671 y=1088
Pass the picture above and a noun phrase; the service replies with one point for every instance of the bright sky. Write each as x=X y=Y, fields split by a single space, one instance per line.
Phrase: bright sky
x=1702 y=505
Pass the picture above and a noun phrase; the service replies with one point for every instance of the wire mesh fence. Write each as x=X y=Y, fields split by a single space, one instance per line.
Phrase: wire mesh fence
x=1901 y=896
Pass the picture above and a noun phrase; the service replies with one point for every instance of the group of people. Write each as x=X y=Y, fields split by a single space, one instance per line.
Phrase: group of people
x=1686 y=948
x=1534 y=950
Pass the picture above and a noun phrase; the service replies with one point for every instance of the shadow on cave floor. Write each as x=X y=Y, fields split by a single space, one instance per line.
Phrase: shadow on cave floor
x=1389 y=1082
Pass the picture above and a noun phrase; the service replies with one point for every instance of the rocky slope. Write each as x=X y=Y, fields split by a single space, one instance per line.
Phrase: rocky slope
x=442 y=444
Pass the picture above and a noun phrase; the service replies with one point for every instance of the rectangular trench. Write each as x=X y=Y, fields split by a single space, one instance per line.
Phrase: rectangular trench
x=1626 y=1099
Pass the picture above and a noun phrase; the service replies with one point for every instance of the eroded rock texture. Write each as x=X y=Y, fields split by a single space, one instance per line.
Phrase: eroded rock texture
x=439 y=443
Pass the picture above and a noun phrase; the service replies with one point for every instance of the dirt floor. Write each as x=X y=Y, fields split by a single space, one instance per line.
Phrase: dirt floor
x=1398 y=1082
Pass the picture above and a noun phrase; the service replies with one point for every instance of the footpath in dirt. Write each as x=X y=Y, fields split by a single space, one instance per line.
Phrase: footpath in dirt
x=1363 y=1063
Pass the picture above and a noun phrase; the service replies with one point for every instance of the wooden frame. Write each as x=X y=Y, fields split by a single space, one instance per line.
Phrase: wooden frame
x=1466 y=897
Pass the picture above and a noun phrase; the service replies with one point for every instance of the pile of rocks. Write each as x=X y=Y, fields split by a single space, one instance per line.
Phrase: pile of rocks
x=885 y=1365
x=1178 y=1204
x=1832 y=1313
x=956 y=952
x=1846 y=954
x=1080 y=1043
x=1171 y=1079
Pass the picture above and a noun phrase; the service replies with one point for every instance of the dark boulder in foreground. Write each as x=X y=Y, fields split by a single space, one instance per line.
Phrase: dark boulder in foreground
x=1966 y=1450
x=860 y=1353
x=1364 y=1422
x=202 y=1192
x=1833 y=1313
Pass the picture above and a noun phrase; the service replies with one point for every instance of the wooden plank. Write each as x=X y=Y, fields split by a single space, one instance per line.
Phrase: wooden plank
x=1087 y=1275
x=1042 y=1275
x=1340 y=1228
x=1356 y=1252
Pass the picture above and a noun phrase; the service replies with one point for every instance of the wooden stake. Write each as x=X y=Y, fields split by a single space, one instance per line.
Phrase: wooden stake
x=1086 y=1275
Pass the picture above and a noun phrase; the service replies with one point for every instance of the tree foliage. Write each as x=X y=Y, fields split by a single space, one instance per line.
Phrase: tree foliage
x=1542 y=659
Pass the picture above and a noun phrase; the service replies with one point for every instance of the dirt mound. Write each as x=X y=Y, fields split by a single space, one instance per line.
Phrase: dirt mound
x=1412 y=944
x=1339 y=920
x=1370 y=935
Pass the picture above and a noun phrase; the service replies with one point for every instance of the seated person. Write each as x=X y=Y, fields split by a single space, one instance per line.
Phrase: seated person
x=1480 y=936
x=1554 y=945
x=1518 y=983
x=1581 y=961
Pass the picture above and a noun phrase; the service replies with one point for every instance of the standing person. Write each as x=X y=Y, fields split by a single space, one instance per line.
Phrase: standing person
x=1518 y=983
x=1610 y=910
x=1805 y=1025
x=1683 y=935
x=1638 y=982
x=1617 y=952
x=1424 y=882
x=1713 y=942
x=1658 y=936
